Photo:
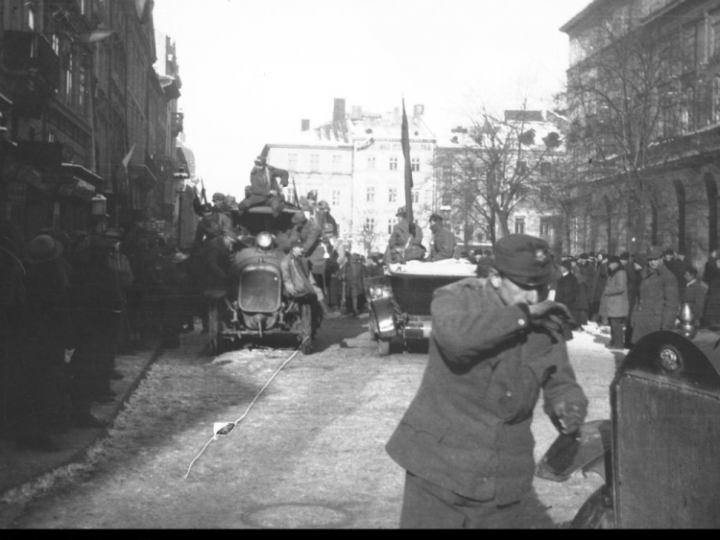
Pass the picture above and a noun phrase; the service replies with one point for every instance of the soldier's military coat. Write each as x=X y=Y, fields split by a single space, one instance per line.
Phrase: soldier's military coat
x=468 y=428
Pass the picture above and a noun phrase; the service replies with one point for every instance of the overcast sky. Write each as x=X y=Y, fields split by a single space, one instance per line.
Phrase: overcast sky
x=251 y=69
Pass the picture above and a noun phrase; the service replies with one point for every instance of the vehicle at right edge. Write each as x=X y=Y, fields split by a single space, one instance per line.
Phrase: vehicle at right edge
x=659 y=454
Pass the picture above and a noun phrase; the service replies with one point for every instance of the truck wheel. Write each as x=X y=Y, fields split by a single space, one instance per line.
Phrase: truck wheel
x=383 y=346
x=306 y=333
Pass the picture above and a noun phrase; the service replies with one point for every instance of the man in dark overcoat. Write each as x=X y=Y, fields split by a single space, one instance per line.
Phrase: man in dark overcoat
x=443 y=242
x=47 y=331
x=658 y=299
x=465 y=441
x=264 y=188
x=585 y=273
x=567 y=290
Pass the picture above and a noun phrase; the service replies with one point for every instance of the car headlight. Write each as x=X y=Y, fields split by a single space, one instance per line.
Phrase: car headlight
x=264 y=240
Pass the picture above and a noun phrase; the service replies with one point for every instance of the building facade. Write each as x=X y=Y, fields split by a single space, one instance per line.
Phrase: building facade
x=658 y=184
x=86 y=115
x=356 y=164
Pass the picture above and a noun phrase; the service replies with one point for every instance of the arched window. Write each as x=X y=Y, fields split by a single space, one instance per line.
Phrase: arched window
x=610 y=238
x=680 y=192
x=712 y=194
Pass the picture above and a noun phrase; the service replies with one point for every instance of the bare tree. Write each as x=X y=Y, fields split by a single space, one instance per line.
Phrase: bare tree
x=493 y=169
x=633 y=105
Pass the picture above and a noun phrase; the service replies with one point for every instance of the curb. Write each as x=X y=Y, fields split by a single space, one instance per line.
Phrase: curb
x=81 y=453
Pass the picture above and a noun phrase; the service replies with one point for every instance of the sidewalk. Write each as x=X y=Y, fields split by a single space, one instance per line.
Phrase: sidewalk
x=18 y=467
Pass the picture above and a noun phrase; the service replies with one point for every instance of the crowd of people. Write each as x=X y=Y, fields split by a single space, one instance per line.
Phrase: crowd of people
x=638 y=294
x=70 y=304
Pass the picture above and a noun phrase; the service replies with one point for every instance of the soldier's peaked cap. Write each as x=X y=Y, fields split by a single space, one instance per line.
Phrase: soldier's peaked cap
x=525 y=260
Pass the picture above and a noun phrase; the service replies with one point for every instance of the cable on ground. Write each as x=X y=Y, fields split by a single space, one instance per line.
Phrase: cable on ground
x=229 y=427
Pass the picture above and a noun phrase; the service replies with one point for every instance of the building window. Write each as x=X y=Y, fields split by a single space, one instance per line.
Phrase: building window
x=369 y=224
x=545 y=227
x=336 y=198
x=415 y=197
x=391 y=224
x=371 y=163
x=370 y=194
x=31 y=17
x=393 y=163
x=544 y=194
x=55 y=41
x=314 y=162
x=690 y=45
x=336 y=163
x=545 y=168
x=715 y=33
x=69 y=80
x=415 y=164
x=292 y=162
x=446 y=199
x=392 y=195
x=519 y=225
x=82 y=87
x=522 y=168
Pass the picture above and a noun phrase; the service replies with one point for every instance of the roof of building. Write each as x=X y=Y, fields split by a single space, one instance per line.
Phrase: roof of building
x=356 y=128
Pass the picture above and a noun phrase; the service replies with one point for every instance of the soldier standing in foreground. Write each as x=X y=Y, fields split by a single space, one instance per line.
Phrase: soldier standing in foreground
x=465 y=440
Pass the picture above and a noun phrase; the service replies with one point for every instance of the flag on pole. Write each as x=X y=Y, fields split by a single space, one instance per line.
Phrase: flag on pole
x=405 y=143
x=96 y=35
x=126 y=159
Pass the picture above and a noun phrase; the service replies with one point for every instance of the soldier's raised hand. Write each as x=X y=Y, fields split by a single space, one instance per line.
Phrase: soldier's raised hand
x=546 y=308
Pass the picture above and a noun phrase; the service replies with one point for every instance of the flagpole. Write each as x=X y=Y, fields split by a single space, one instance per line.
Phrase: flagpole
x=405 y=143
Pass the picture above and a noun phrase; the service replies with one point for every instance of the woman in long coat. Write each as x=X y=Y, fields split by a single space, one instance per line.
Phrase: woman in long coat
x=615 y=301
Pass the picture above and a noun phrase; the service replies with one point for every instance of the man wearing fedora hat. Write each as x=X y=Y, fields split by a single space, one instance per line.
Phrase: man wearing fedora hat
x=465 y=441
x=264 y=188
x=658 y=298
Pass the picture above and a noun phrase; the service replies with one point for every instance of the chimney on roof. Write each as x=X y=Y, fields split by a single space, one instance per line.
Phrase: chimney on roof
x=304 y=125
x=339 y=110
x=418 y=110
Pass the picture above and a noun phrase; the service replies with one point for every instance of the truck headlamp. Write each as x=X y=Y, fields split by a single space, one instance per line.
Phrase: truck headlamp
x=264 y=240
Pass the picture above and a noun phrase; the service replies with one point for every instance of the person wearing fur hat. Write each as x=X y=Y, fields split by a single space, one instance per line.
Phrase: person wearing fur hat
x=465 y=440
x=264 y=188
x=658 y=298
